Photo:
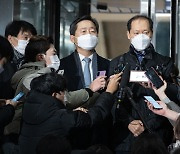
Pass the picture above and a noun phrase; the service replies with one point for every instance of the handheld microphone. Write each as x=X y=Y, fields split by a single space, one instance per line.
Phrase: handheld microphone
x=123 y=83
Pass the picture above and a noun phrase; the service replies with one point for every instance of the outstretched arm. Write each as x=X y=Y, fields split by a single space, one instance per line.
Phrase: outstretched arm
x=165 y=111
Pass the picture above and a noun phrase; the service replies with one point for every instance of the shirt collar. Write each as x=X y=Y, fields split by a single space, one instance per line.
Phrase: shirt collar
x=82 y=57
x=147 y=52
x=140 y=53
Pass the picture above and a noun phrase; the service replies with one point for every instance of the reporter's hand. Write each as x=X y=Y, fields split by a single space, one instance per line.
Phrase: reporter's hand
x=136 y=127
x=3 y=61
x=113 y=83
x=81 y=109
x=161 y=90
x=146 y=84
x=156 y=111
x=11 y=103
x=98 y=83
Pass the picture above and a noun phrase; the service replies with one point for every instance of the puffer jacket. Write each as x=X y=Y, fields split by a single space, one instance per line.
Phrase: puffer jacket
x=43 y=115
x=25 y=70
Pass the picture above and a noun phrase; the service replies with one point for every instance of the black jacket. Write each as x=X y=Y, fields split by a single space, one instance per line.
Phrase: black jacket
x=6 y=91
x=126 y=112
x=43 y=114
x=73 y=70
x=6 y=116
x=163 y=64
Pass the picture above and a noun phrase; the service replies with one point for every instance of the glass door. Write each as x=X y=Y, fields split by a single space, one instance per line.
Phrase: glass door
x=176 y=21
x=32 y=11
x=69 y=11
x=159 y=12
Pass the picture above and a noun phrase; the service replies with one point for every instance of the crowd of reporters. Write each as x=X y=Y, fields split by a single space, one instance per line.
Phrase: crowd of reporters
x=60 y=106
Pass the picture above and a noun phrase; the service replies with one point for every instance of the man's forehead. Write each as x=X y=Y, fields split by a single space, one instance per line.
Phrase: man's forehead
x=25 y=33
x=85 y=23
x=141 y=23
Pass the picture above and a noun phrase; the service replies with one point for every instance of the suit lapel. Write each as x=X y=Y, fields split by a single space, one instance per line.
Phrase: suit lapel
x=79 y=72
x=94 y=65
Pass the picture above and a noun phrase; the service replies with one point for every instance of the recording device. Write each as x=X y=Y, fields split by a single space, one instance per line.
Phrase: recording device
x=160 y=68
x=18 y=97
x=153 y=102
x=154 y=78
x=101 y=73
x=124 y=82
x=119 y=68
x=136 y=107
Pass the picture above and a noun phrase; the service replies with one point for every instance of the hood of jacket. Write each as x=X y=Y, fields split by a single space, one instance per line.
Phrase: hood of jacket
x=39 y=107
x=24 y=70
x=38 y=64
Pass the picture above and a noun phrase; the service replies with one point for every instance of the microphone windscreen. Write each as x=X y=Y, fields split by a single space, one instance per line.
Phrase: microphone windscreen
x=125 y=76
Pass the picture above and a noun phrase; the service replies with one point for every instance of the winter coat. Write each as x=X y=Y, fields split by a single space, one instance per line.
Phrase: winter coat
x=6 y=91
x=25 y=70
x=44 y=114
x=6 y=116
x=125 y=112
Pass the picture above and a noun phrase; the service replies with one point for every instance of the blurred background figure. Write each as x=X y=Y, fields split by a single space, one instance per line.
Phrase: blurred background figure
x=18 y=33
x=7 y=69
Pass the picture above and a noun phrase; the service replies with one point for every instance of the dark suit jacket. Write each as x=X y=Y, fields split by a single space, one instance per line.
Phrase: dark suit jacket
x=73 y=70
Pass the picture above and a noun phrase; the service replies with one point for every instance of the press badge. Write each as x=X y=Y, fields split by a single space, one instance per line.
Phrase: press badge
x=138 y=76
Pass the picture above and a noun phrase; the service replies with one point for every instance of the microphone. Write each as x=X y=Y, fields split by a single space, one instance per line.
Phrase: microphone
x=124 y=82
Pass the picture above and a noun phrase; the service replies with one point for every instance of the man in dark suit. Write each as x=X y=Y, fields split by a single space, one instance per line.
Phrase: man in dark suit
x=84 y=34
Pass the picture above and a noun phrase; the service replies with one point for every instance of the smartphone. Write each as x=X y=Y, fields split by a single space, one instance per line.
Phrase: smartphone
x=101 y=73
x=18 y=97
x=119 y=69
x=153 y=102
x=154 y=78
x=123 y=68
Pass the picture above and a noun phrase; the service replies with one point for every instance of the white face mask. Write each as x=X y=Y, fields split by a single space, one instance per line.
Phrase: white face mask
x=55 y=62
x=21 y=46
x=87 y=42
x=140 y=42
